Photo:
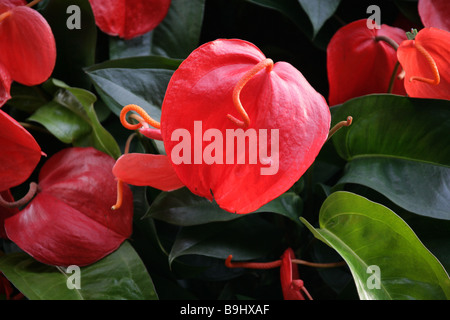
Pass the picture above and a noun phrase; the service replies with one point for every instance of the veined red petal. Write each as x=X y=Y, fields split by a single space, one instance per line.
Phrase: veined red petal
x=28 y=46
x=5 y=85
x=280 y=103
x=6 y=212
x=147 y=170
x=416 y=64
x=434 y=13
x=70 y=221
x=289 y=273
x=358 y=64
x=20 y=153
x=6 y=5
x=129 y=19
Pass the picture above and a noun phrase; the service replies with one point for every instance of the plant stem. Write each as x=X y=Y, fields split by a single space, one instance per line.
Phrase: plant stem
x=21 y=202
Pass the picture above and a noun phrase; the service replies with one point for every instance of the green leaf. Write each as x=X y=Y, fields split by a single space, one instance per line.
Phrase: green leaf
x=183 y=208
x=139 y=80
x=71 y=118
x=75 y=47
x=421 y=188
x=61 y=122
x=119 y=276
x=394 y=126
x=367 y=234
x=138 y=46
x=249 y=237
x=319 y=12
x=179 y=33
x=292 y=10
x=27 y=98
x=400 y=147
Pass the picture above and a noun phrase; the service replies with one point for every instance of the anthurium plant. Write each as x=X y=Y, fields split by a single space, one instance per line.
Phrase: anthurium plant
x=216 y=149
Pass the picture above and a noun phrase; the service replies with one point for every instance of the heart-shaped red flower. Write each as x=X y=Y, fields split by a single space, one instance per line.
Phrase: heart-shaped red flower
x=434 y=13
x=128 y=19
x=359 y=62
x=236 y=127
x=20 y=153
x=28 y=53
x=426 y=63
x=70 y=220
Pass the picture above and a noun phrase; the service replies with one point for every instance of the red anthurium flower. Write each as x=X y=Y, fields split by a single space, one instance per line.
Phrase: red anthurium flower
x=5 y=85
x=434 y=13
x=360 y=61
x=236 y=127
x=426 y=63
x=70 y=220
x=20 y=153
x=6 y=212
x=28 y=52
x=128 y=19
x=291 y=284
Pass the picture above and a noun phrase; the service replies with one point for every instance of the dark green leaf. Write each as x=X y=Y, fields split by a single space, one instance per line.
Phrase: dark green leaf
x=422 y=188
x=140 y=80
x=400 y=147
x=81 y=103
x=179 y=33
x=394 y=126
x=182 y=207
x=247 y=238
x=368 y=234
x=61 y=122
x=292 y=10
x=319 y=11
x=119 y=276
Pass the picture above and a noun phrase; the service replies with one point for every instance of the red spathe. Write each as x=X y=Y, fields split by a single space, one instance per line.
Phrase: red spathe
x=358 y=64
x=128 y=19
x=70 y=221
x=200 y=91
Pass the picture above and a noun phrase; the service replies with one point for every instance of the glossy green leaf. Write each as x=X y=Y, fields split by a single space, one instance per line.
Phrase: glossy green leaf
x=422 y=188
x=179 y=33
x=26 y=98
x=61 y=122
x=319 y=11
x=247 y=238
x=80 y=28
x=140 y=80
x=394 y=126
x=81 y=102
x=136 y=47
x=369 y=236
x=119 y=276
x=401 y=148
x=182 y=207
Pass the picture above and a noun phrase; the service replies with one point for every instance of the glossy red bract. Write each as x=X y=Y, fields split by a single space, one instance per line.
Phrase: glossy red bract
x=280 y=100
x=20 y=153
x=358 y=64
x=128 y=19
x=28 y=53
x=289 y=123
x=425 y=57
x=79 y=226
x=435 y=13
